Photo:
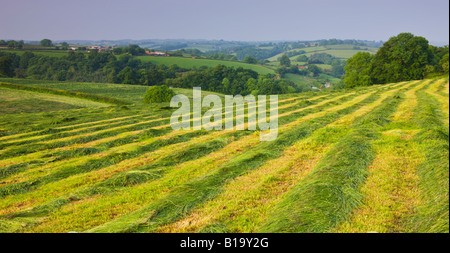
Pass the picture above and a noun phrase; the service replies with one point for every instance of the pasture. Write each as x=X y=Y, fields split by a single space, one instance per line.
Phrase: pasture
x=359 y=160
x=185 y=62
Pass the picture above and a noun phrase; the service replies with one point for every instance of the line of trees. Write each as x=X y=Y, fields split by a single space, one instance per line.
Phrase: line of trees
x=402 y=58
x=233 y=81
x=105 y=67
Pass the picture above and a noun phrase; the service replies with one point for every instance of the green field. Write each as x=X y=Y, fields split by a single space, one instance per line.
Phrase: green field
x=15 y=101
x=189 y=63
x=338 y=51
x=348 y=161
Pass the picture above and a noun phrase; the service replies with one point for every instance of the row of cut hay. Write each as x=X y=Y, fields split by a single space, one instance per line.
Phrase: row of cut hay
x=130 y=198
x=247 y=200
x=182 y=199
x=53 y=134
x=84 y=147
x=155 y=150
x=433 y=140
x=93 y=137
x=86 y=121
x=391 y=190
x=92 y=97
x=442 y=98
x=141 y=143
x=331 y=192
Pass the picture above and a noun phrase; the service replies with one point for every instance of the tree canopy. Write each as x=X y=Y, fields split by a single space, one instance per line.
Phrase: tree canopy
x=285 y=61
x=46 y=43
x=158 y=94
x=357 y=70
x=402 y=58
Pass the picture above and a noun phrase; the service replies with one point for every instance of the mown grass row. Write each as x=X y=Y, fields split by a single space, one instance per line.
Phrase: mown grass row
x=285 y=103
x=322 y=106
x=53 y=134
x=137 y=175
x=433 y=139
x=127 y=139
x=71 y=153
x=391 y=189
x=247 y=200
x=91 y=97
x=79 y=214
x=182 y=199
x=51 y=191
x=82 y=138
x=329 y=194
x=93 y=164
x=53 y=122
x=107 y=200
x=442 y=98
x=54 y=137
x=319 y=110
x=183 y=176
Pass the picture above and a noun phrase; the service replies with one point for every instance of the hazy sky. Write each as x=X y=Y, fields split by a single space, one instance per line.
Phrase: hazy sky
x=251 y=20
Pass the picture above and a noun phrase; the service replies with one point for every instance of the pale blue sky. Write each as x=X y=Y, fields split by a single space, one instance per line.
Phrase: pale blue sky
x=244 y=20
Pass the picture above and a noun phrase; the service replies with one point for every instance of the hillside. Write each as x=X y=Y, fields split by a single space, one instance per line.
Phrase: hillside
x=185 y=62
x=340 y=158
x=339 y=51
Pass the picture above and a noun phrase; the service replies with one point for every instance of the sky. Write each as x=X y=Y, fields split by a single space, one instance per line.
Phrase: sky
x=232 y=20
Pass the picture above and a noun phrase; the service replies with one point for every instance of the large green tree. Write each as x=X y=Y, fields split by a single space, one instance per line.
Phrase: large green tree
x=358 y=70
x=402 y=58
x=6 y=68
x=285 y=61
x=46 y=43
x=158 y=94
x=250 y=59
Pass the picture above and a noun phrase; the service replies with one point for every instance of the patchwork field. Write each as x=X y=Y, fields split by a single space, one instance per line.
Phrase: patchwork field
x=359 y=160
x=189 y=63
x=338 y=51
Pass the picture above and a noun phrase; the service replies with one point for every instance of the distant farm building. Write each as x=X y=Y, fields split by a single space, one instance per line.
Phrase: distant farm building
x=327 y=85
x=302 y=67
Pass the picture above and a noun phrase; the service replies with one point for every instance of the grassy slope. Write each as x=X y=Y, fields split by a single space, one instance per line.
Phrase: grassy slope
x=339 y=51
x=125 y=92
x=189 y=63
x=15 y=101
x=97 y=169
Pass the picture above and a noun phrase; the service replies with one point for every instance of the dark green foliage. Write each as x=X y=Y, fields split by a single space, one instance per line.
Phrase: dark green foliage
x=358 y=70
x=314 y=69
x=6 y=68
x=105 y=67
x=158 y=94
x=46 y=43
x=402 y=58
x=232 y=81
x=285 y=61
x=250 y=59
